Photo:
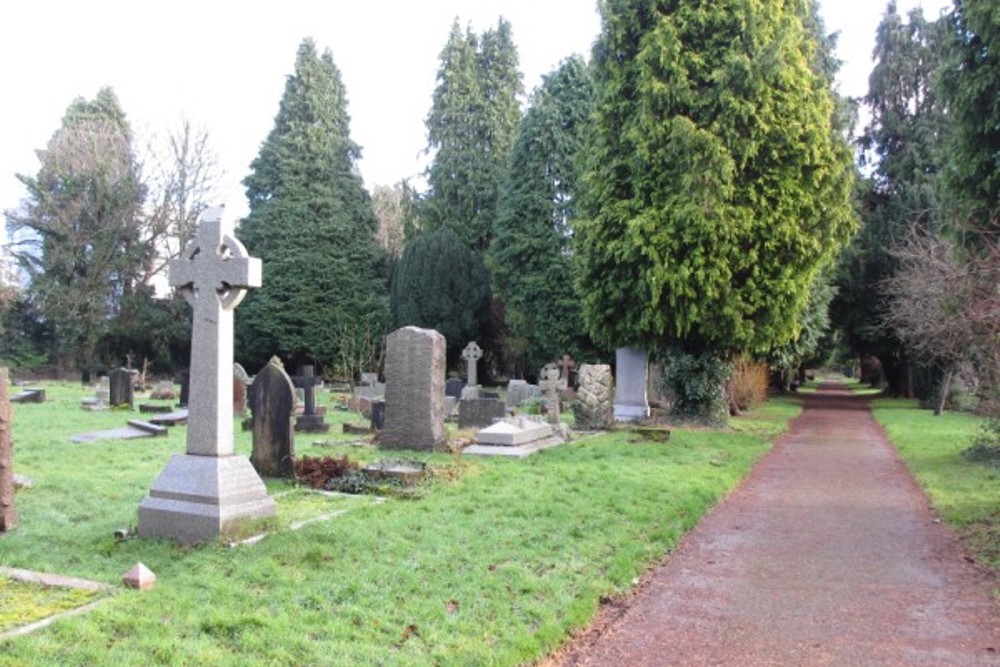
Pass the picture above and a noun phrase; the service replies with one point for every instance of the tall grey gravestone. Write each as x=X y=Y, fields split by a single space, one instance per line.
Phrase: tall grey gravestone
x=414 y=390
x=205 y=491
x=472 y=354
x=631 y=367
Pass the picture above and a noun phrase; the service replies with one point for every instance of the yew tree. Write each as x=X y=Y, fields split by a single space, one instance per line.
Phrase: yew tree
x=718 y=186
x=311 y=222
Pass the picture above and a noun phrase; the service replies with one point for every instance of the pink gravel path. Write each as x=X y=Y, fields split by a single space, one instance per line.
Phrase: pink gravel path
x=828 y=554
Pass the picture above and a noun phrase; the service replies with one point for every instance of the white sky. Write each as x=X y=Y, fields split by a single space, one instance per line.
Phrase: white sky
x=223 y=66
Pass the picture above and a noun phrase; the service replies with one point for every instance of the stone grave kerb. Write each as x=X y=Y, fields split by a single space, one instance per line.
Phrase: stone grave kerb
x=201 y=493
x=472 y=354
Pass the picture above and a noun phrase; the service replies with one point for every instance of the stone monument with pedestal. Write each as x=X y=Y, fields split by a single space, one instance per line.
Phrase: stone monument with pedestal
x=203 y=492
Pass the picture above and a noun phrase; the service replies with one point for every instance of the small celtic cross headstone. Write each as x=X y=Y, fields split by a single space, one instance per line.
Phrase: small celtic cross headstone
x=472 y=354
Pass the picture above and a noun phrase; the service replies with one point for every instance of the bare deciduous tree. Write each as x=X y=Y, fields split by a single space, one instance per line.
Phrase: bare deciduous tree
x=944 y=303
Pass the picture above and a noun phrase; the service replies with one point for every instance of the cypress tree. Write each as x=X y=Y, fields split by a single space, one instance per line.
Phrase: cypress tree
x=530 y=257
x=716 y=188
x=312 y=223
x=471 y=128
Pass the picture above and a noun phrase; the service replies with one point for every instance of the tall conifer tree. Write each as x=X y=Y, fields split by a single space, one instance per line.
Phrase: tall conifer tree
x=311 y=222
x=530 y=256
x=471 y=128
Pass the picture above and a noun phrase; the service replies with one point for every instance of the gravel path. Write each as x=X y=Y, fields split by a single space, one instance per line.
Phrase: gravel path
x=827 y=554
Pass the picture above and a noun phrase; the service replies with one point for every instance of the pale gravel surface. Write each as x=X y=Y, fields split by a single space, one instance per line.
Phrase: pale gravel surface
x=828 y=554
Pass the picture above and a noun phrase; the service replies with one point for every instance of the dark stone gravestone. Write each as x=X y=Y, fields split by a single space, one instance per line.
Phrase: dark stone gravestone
x=480 y=412
x=453 y=387
x=272 y=403
x=183 y=378
x=378 y=415
x=122 y=391
x=310 y=421
x=29 y=396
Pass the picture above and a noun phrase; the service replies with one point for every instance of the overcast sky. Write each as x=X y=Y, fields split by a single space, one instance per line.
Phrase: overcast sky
x=223 y=66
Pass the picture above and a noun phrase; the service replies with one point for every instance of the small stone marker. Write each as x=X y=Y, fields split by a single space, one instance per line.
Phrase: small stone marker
x=240 y=382
x=29 y=396
x=273 y=406
x=209 y=489
x=8 y=512
x=550 y=390
x=139 y=577
x=414 y=391
x=122 y=389
x=311 y=420
x=594 y=407
x=631 y=367
x=566 y=366
x=183 y=378
x=472 y=354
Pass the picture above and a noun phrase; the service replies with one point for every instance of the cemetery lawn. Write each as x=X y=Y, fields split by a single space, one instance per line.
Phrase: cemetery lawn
x=494 y=562
x=965 y=494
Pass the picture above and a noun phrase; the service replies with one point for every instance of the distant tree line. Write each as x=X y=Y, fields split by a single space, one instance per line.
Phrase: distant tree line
x=690 y=189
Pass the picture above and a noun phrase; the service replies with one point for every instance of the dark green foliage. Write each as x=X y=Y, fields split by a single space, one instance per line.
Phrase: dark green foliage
x=157 y=330
x=311 y=222
x=970 y=81
x=81 y=228
x=471 y=128
x=697 y=384
x=530 y=257
x=902 y=144
x=441 y=284
x=717 y=186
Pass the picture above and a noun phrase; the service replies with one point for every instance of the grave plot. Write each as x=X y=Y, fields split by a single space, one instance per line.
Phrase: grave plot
x=31 y=600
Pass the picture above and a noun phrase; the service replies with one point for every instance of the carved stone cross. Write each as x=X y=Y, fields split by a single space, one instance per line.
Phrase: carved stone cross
x=213 y=274
x=471 y=354
x=566 y=366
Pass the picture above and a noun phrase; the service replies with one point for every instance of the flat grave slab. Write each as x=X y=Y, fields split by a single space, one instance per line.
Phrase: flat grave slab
x=171 y=418
x=135 y=428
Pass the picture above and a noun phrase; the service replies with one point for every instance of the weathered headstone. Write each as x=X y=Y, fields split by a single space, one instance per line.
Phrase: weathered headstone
x=104 y=391
x=273 y=406
x=631 y=367
x=414 y=392
x=519 y=391
x=566 y=366
x=453 y=387
x=594 y=407
x=122 y=391
x=472 y=354
x=164 y=391
x=550 y=391
x=183 y=378
x=311 y=420
x=209 y=489
x=480 y=412
x=368 y=380
x=241 y=380
x=8 y=513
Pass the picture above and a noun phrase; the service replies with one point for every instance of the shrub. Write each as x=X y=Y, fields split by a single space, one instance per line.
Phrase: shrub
x=698 y=384
x=748 y=383
x=318 y=471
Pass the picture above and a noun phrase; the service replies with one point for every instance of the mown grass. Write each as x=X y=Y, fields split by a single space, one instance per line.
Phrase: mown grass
x=493 y=564
x=965 y=494
x=23 y=602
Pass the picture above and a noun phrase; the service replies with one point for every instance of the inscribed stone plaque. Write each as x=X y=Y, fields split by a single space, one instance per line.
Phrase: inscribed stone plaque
x=414 y=390
x=631 y=368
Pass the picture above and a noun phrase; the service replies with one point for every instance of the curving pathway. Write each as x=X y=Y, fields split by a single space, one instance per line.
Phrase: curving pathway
x=828 y=554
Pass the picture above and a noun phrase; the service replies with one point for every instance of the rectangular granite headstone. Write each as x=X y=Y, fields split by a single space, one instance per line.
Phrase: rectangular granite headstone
x=414 y=390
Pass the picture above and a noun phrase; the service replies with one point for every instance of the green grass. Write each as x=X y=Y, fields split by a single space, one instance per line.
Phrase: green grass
x=494 y=563
x=965 y=494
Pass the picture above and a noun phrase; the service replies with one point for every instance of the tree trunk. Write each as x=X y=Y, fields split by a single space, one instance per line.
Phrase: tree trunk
x=8 y=513
x=945 y=387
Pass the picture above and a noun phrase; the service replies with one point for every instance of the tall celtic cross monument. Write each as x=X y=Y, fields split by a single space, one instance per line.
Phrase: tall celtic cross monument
x=201 y=493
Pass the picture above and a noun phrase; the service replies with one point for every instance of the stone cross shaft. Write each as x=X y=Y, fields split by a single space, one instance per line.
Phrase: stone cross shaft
x=472 y=354
x=213 y=273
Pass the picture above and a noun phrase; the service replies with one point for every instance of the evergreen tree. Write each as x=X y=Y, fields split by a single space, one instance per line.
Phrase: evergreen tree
x=971 y=91
x=902 y=144
x=471 y=128
x=441 y=284
x=530 y=257
x=717 y=189
x=82 y=226
x=311 y=222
